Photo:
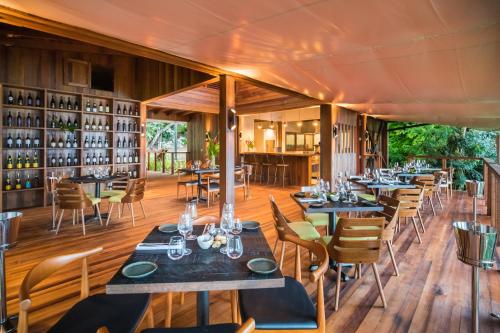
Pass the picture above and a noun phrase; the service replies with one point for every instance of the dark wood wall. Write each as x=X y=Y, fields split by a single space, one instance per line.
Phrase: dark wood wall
x=199 y=124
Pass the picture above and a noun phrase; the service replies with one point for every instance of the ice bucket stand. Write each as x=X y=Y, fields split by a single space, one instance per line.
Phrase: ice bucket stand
x=475 y=189
x=9 y=228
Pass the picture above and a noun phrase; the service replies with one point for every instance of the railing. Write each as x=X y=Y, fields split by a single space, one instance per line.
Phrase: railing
x=491 y=178
x=166 y=162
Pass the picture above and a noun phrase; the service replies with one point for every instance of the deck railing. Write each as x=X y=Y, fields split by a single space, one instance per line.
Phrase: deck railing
x=166 y=162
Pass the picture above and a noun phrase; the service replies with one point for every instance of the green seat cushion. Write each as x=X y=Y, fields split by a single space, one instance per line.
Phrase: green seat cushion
x=317 y=219
x=304 y=230
x=94 y=200
x=110 y=193
x=368 y=197
x=116 y=198
x=325 y=240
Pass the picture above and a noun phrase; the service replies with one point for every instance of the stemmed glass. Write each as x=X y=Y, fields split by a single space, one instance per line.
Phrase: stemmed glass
x=226 y=225
x=237 y=227
x=234 y=246
x=185 y=227
x=192 y=210
x=180 y=246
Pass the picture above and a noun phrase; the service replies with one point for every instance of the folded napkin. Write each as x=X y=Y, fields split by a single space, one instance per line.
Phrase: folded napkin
x=156 y=246
x=309 y=200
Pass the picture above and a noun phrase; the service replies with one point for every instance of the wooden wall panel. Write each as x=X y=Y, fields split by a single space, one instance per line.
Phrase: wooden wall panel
x=345 y=157
x=198 y=125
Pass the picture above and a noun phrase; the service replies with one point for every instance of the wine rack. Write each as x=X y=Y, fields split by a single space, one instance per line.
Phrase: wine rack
x=59 y=133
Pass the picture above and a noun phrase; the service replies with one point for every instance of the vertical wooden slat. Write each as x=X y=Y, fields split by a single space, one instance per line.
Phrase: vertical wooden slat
x=227 y=140
x=327 y=142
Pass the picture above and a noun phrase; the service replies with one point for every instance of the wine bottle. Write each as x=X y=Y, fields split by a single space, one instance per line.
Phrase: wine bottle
x=37 y=121
x=86 y=142
x=106 y=143
x=10 y=164
x=35 y=160
x=87 y=124
x=61 y=103
x=94 y=159
x=87 y=106
x=94 y=107
x=136 y=111
x=99 y=143
x=129 y=127
x=118 y=109
x=101 y=107
x=68 y=123
x=53 y=123
x=106 y=159
x=27 y=182
x=69 y=106
x=118 y=143
x=36 y=182
x=60 y=160
x=118 y=159
x=20 y=99
x=135 y=142
x=107 y=108
x=75 y=159
x=60 y=143
x=136 y=157
x=36 y=142
x=60 y=123
x=29 y=100
x=134 y=174
x=68 y=160
x=38 y=101
x=130 y=158
x=27 y=161
x=118 y=125
x=18 y=181
x=129 y=142
x=8 y=184
x=28 y=120
x=99 y=125
x=134 y=128
x=10 y=98
x=106 y=126
x=10 y=141
x=75 y=142
x=124 y=127
x=124 y=158
x=19 y=163
x=92 y=143
x=53 y=161
x=19 y=142
x=19 y=121
x=101 y=160
x=9 y=120
x=93 y=126
x=76 y=106
x=75 y=123
x=68 y=142
x=53 y=102
x=53 y=143
x=27 y=141
x=124 y=143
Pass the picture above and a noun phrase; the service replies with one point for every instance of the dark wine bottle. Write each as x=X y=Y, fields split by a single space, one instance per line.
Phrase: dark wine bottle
x=10 y=98
x=36 y=142
x=10 y=141
x=61 y=103
x=118 y=110
x=53 y=161
x=35 y=160
x=76 y=106
x=53 y=102
x=101 y=107
x=10 y=164
x=28 y=120
x=27 y=141
x=9 y=120
x=60 y=123
x=20 y=99
x=19 y=142
x=38 y=101
x=19 y=121
x=27 y=161
x=29 y=100
x=69 y=106
x=37 y=121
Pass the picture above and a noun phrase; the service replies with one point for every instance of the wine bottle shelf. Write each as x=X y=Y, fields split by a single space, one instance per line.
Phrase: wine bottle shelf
x=24 y=189
x=64 y=110
x=89 y=113
x=25 y=107
x=13 y=148
x=22 y=169
x=22 y=128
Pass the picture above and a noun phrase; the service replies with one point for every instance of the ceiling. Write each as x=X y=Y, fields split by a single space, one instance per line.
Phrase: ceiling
x=435 y=61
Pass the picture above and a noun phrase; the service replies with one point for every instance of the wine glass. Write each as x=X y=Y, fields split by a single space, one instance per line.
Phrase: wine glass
x=185 y=226
x=237 y=227
x=234 y=246
x=180 y=246
x=192 y=210
x=228 y=208
x=226 y=225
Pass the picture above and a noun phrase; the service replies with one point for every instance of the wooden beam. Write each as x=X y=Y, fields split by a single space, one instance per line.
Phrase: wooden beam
x=498 y=148
x=327 y=144
x=406 y=127
x=362 y=153
x=227 y=140
x=178 y=91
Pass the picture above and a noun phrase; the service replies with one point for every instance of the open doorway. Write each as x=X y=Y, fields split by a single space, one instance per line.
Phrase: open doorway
x=166 y=146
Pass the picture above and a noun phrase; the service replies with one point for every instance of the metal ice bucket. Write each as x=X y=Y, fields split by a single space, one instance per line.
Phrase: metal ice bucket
x=474 y=188
x=9 y=229
x=475 y=243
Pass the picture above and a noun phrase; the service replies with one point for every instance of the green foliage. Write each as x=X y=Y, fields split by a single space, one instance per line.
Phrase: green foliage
x=213 y=145
x=441 y=140
x=160 y=134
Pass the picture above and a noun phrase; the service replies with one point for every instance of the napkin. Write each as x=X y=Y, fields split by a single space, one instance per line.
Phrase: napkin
x=156 y=246
x=309 y=200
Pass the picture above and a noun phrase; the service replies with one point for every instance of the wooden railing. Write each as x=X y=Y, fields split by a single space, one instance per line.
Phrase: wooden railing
x=161 y=159
x=444 y=159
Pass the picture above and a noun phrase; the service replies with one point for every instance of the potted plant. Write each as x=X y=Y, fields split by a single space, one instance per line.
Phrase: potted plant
x=213 y=147
x=250 y=145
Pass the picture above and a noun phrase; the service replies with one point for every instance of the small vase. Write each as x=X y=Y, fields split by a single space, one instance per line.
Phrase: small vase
x=212 y=160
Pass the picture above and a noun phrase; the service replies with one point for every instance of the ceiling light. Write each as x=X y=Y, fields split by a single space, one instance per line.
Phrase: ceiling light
x=284 y=124
x=315 y=123
x=231 y=121
x=299 y=124
x=272 y=124
x=259 y=126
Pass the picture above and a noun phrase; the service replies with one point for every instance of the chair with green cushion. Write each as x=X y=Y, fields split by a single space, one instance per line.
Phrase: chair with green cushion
x=316 y=219
x=368 y=197
x=71 y=196
x=357 y=241
x=135 y=193
x=303 y=230
x=117 y=187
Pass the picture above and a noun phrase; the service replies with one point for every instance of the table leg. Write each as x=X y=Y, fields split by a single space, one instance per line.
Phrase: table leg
x=95 y=217
x=332 y=221
x=202 y=308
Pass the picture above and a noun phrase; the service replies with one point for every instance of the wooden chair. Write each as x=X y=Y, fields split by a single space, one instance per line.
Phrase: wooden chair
x=187 y=183
x=119 y=313
x=430 y=188
x=449 y=181
x=303 y=230
x=240 y=182
x=357 y=241
x=51 y=183
x=391 y=215
x=116 y=187
x=409 y=199
x=247 y=327
x=316 y=219
x=441 y=182
x=71 y=196
x=288 y=309
x=135 y=193
x=211 y=186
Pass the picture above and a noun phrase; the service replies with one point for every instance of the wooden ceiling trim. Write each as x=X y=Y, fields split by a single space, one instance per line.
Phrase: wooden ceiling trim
x=182 y=90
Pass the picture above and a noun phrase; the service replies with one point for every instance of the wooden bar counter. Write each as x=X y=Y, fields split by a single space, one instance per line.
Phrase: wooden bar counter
x=302 y=166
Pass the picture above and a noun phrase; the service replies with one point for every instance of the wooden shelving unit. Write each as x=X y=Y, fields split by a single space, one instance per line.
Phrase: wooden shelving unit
x=70 y=144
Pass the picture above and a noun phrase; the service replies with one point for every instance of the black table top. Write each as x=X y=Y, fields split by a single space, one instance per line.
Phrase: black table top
x=206 y=170
x=94 y=179
x=338 y=206
x=371 y=184
x=200 y=271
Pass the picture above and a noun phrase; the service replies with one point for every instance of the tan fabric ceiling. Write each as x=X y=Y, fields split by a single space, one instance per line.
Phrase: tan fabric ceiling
x=432 y=61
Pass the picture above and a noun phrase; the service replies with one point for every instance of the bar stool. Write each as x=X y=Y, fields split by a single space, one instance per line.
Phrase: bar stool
x=280 y=165
x=266 y=166
x=257 y=170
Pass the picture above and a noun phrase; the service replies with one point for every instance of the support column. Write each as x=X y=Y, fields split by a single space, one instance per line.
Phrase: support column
x=227 y=139
x=498 y=148
x=362 y=153
x=328 y=119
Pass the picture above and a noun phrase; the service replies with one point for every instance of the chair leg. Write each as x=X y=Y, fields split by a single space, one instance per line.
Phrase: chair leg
x=98 y=213
x=298 y=269
x=432 y=206
x=337 y=289
x=177 y=192
x=439 y=200
x=131 y=207
x=168 y=309
x=393 y=259
x=379 y=284
x=416 y=229
x=59 y=223
x=73 y=214
x=234 y=305
x=421 y=221
x=83 y=221
x=109 y=213
x=142 y=207
x=282 y=254
x=181 y=297
x=275 y=246
x=150 y=320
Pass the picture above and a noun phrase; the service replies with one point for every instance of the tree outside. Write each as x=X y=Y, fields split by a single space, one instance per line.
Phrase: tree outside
x=441 y=140
x=164 y=138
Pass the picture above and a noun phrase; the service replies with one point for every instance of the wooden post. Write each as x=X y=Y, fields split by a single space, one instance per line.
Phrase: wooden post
x=173 y=158
x=362 y=153
x=155 y=162
x=142 y=142
x=227 y=140
x=443 y=163
x=498 y=148
x=327 y=144
x=164 y=154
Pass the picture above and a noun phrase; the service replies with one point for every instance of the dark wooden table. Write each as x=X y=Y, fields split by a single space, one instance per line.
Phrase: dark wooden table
x=377 y=186
x=201 y=172
x=202 y=271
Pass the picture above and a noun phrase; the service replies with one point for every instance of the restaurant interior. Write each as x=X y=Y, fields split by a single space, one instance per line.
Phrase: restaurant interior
x=224 y=167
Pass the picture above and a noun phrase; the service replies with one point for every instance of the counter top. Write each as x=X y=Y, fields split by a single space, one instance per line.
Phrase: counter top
x=279 y=154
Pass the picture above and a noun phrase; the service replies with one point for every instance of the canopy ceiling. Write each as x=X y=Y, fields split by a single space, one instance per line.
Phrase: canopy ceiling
x=435 y=61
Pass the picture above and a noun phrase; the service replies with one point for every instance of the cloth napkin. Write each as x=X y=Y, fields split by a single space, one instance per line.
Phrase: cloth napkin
x=155 y=246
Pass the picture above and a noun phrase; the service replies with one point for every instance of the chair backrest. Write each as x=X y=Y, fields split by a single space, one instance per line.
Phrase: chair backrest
x=391 y=215
x=280 y=221
x=429 y=180
x=42 y=271
x=135 y=190
x=409 y=200
x=72 y=196
x=357 y=240
x=189 y=164
x=120 y=184
x=51 y=183
x=441 y=177
x=451 y=173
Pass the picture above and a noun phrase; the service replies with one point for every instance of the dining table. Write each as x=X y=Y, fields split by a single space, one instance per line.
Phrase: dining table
x=201 y=271
x=378 y=185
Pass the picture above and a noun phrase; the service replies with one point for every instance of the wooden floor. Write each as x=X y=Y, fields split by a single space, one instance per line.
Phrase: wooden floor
x=432 y=294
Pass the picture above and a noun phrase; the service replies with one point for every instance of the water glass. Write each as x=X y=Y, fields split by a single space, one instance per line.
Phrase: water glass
x=185 y=227
x=192 y=210
x=226 y=225
x=179 y=250
x=228 y=209
x=234 y=246
x=237 y=227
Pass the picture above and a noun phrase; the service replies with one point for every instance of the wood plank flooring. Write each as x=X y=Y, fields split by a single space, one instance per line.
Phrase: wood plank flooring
x=432 y=293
